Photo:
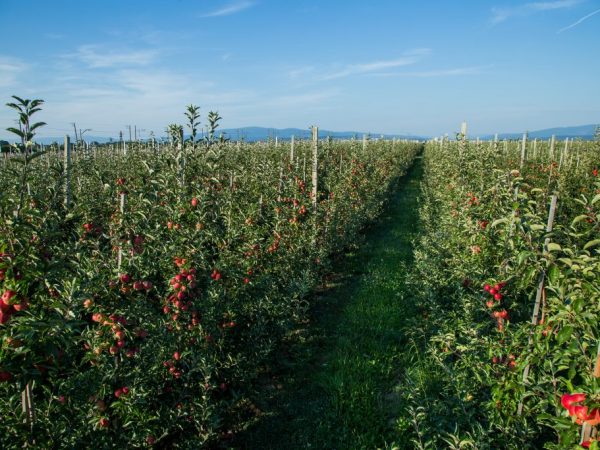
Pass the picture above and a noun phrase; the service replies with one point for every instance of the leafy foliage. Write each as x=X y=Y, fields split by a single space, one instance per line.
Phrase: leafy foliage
x=483 y=259
x=156 y=347
x=25 y=109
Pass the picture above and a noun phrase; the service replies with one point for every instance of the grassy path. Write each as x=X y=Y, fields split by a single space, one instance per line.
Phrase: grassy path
x=333 y=388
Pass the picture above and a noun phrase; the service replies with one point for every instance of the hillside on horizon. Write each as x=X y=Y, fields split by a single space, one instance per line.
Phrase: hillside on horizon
x=254 y=133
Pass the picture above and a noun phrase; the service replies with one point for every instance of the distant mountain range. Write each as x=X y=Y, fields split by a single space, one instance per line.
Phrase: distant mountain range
x=585 y=132
x=252 y=134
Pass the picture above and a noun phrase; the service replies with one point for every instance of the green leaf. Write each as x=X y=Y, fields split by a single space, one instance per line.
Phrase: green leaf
x=564 y=334
x=591 y=244
x=498 y=222
x=36 y=155
x=596 y=198
x=554 y=247
x=16 y=131
x=566 y=261
x=553 y=274
x=579 y=219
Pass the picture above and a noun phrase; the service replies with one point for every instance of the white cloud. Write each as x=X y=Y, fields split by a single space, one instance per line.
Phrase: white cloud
x=304 y=99
x=584 y=18
x=10 y=69
x=409 y=58
x=227 y=10
x=502 y=14
x=474 y=70
x=107 y=100
x=546 y=6
x=300 y=72
x=95 y=57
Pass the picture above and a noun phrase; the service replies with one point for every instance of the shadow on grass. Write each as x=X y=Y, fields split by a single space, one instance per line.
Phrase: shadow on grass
x=331 y=384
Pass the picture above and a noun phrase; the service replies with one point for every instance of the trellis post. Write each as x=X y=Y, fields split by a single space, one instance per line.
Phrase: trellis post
x=540 y=291
x=523 y=149
x=315 y=165
x=67 y=162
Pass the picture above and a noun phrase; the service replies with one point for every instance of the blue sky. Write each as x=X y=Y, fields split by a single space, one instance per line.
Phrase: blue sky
x=418 y=67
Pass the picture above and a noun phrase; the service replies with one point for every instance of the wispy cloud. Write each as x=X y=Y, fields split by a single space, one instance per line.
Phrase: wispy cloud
x=545 y=6
x=300 y=72
x=583 y=19
x=501 y=14
x=95 y=56
x=474 y=70
x=149 y=98
x=407 y=59
x=229 y=9
x=304 y=99
x=10 y=69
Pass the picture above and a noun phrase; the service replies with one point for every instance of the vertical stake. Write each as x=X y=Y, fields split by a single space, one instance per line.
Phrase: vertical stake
x=67 y=157
x=315 y=165
x=303 y=166
x=523 y=150
x=540 y=291
x=27 y=406
x=280 y=183
x=122 y=210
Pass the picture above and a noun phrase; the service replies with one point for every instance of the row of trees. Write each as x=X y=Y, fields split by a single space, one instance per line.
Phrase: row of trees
x=26 y=129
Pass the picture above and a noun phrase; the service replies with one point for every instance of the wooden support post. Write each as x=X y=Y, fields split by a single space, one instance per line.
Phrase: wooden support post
x=539 y=292
x=562 y=155
x=552 y=144
x=303 y=166
x=27 y=407
x=597 y=366
x=67 y=162
x=292 y=150
x=565 y=153
x=181 y=156
x=122 y=198
x=523 y=150
x=315 y=165
x=280 y=183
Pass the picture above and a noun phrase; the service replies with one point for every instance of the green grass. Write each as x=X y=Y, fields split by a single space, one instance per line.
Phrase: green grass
x=332 y=384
